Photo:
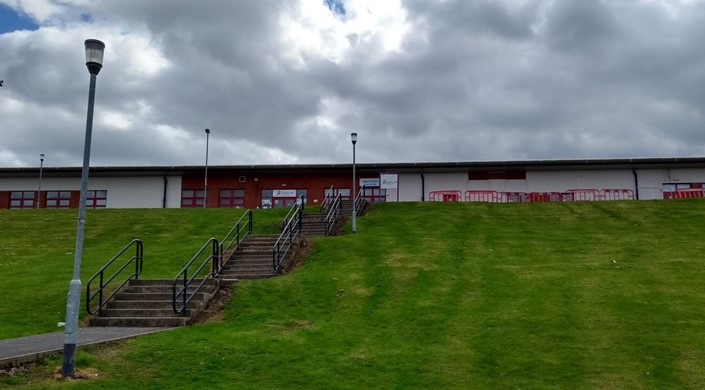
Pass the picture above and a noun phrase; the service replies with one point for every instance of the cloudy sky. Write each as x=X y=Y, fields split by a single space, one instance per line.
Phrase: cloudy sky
x=286 y=81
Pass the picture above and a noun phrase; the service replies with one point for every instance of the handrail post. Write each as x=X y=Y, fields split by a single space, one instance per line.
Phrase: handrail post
x=216 y=258
x=237 y=236
x=100 y=293
x=183 y=306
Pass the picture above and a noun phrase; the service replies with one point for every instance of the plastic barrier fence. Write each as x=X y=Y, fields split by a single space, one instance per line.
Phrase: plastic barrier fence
x=548 y=197
x=445 y=196
x=688 y=193
x=617 y=194
x=512 y=197
x=584 y=195
x=482 y=196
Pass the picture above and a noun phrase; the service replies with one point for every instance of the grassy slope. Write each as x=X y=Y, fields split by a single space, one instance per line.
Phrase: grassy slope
x=36 y=253
x=588 y=295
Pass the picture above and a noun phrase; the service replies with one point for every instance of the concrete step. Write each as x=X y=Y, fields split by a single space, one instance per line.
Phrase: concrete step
x=249 y=275
x=249 y=267
x=139 y=321
x=162 y=282
x=146 y=304
x=246 y=263
x=253 y=256
x=142 y=313
x=166 y=289
x=153 y=296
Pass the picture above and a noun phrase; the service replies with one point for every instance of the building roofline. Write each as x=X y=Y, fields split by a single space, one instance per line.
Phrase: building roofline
x=402 y=167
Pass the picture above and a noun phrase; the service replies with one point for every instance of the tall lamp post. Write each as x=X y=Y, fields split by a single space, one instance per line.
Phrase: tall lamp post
x=353 y=138
x=39 y=190
x=94 y=62
x=205 y=179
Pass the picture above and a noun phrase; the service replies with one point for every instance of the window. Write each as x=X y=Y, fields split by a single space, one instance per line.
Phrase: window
x=282 y=198
x=232 y=198
x=58 y=199
x=375 y=195
x=192 y=198
x=344 y=193
x=96 y=199
x=22 y=199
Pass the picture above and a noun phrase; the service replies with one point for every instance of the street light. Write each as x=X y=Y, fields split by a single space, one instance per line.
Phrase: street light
x=94 y=62
x=205 y=179
x=39 y=190
x=353 y=138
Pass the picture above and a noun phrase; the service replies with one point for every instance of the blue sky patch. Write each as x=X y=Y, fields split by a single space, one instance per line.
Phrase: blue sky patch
x=10 y=20
x=336 y=6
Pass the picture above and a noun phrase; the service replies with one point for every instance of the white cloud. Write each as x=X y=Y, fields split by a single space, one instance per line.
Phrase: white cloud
x=286 y=82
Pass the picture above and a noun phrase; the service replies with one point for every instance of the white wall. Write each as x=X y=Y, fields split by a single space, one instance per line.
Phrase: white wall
x=545 y=181
x=48 y=184
x=123 y=192
x=409 y=188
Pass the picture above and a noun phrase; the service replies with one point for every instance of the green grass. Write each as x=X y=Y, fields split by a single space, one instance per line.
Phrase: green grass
x=561 y=295
x=36 y=253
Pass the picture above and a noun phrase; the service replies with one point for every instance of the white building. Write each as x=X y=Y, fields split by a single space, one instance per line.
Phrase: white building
x=276 y=185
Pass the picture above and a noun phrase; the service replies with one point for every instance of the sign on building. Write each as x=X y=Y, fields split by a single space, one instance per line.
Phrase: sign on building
x=284 y=193
x=369 y=182
x=389 y=181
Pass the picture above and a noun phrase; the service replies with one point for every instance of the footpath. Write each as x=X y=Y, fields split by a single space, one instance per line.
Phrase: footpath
x=32 y=348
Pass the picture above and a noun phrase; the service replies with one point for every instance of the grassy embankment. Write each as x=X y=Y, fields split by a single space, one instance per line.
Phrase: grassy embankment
x=571 y=295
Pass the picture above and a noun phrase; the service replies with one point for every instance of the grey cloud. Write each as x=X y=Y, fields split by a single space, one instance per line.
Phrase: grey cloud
x=473 y=80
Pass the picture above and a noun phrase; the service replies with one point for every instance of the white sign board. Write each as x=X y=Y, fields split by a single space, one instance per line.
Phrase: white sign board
x=284 y=193
x=389 y=181
x=369 y=182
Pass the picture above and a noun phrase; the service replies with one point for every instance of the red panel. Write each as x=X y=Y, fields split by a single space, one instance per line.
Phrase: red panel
x=444 y=196
x=482 y=196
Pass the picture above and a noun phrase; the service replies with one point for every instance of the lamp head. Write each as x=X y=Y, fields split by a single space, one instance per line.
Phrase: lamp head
x=94 y=55
x=208 y=131
x=353 y=138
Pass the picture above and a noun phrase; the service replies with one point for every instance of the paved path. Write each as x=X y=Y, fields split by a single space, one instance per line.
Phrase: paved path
x=30 y=348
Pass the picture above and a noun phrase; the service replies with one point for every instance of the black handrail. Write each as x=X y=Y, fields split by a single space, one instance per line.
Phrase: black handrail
x=236 y=235
x=292 y=225
x=292 y=211
x=332 y=215
x=184 y=281
x=327 y=196
x=137 y=258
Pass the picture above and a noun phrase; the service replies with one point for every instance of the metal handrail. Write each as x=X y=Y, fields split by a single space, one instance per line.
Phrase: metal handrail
x=182 y=294
x=137 y=258
x=299 y=203
x=332 y=215
x=326 y=199
x=236 y=235
x=292 y=225
x=359 y=200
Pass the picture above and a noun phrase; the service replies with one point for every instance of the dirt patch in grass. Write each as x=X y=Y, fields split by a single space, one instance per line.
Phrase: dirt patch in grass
x=300 y=255
x=87 y=373
x=214 y=311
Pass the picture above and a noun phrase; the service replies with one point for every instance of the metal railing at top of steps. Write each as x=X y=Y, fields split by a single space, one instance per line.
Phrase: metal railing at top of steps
x=360 y=201
x=291 y=229
x=328 y=198
x=137 y=258
x=236 y=235
x=183 y=281
x=332 y=215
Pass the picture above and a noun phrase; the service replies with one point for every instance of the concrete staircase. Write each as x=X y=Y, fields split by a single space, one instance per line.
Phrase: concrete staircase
x=346 y=206
x=251 y=260
x=313 y=225
x=148 y=303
